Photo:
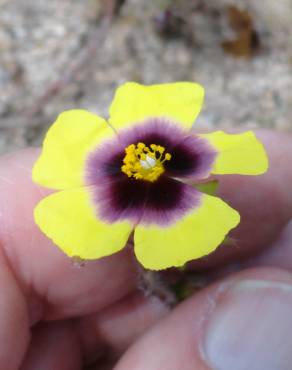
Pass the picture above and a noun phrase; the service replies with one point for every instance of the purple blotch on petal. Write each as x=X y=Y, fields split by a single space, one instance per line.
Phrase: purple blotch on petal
x=104 y=163
x=168 y=201
x=192 y=158
x=161 y=202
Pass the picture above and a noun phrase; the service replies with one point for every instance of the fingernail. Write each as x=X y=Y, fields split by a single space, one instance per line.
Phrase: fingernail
x=251 y=328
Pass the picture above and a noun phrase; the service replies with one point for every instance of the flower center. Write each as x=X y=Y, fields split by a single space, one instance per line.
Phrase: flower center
x=144 y=162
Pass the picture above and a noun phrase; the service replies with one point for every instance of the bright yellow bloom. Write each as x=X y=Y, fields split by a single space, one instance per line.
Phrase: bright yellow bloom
x=130 y=176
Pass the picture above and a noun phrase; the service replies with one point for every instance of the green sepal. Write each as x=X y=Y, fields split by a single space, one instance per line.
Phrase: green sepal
x=209 y=188
x=229 y=241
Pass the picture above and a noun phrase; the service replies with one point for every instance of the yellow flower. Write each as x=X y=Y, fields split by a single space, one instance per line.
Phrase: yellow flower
x=131 y=175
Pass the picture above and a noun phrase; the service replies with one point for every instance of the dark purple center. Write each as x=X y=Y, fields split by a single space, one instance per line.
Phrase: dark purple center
x=119 y=197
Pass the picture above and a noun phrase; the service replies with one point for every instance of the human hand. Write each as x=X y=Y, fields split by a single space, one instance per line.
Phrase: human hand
x=56 y=316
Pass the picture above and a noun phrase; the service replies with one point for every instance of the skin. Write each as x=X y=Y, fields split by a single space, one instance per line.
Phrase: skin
x=57 y=315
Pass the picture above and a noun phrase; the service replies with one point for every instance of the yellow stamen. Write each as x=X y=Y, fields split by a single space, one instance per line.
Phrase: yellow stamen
x=144 y=162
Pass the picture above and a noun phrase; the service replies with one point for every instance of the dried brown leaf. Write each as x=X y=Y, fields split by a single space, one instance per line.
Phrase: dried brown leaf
x=246 y=42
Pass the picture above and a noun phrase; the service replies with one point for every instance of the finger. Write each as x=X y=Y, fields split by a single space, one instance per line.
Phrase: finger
x=243 y=322
x=280 y=253
x=264 y=203
x=53 y=346
x=118 y=326
x=14 y=323
x=55 y=286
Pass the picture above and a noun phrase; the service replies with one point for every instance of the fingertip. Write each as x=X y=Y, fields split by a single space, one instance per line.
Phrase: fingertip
x=238 y=323
x=250 y=322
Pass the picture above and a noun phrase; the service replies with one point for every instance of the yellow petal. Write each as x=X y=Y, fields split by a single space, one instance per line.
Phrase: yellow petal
x=68 y=218
x=180 y=101
x=239 y=154
x=65 y=148
x=194 y=236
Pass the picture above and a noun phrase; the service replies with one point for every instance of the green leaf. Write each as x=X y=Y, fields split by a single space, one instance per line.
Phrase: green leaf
x=209 y=188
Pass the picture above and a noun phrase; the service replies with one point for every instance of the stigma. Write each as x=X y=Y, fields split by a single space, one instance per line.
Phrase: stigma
x=144 y=162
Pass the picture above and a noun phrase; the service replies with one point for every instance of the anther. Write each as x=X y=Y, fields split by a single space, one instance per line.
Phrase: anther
x=144 y=162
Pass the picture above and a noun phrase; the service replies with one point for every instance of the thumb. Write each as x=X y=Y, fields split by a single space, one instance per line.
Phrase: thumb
x=241 y=323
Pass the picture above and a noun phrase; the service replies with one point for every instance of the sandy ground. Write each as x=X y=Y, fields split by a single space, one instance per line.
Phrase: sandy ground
x=59 y=54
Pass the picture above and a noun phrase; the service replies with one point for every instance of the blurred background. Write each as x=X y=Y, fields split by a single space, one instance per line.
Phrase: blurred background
x=60 y=54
